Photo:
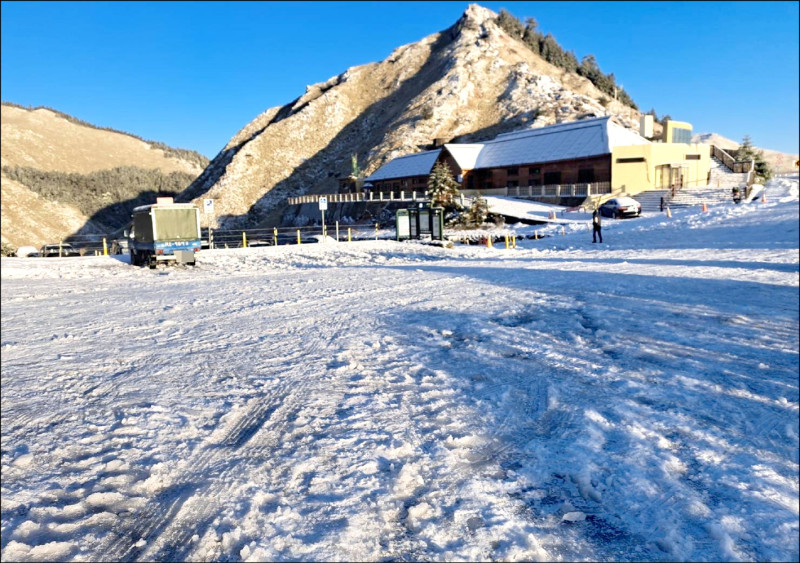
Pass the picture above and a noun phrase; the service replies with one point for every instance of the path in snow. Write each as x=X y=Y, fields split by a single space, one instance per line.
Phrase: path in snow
x=395 y=401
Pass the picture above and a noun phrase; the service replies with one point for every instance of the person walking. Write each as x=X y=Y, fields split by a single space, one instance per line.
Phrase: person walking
x=596 y=226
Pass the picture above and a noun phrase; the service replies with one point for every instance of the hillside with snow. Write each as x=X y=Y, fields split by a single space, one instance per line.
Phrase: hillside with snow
x=561 y=400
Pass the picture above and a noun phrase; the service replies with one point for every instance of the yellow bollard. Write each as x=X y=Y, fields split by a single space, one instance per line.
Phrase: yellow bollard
x=275 y=235
x=244 y=239
x=506 y=241
x=348 y=235
x=59 y=248
x=105 y=247
x=489 y=242
x=535 y=235
x=298 y=237
x=513 y=241
x=376 y=231
x=669 y=213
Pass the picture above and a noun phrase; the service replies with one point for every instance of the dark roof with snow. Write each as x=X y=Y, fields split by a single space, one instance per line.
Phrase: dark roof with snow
x=418 y=164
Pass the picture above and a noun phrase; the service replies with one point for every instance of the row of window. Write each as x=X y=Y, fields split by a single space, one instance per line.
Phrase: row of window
x=516 y=171
x=585 y=176
x=641 y=158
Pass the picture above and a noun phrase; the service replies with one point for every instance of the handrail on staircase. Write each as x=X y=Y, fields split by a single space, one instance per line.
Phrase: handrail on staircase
x=737 y=166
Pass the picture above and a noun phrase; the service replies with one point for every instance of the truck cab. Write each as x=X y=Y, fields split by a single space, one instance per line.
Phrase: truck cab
x=164 y=232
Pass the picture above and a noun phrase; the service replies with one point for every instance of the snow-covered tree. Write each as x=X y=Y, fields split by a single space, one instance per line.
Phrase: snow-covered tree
x=478 y=211
x=442 y=187
x=747 y=151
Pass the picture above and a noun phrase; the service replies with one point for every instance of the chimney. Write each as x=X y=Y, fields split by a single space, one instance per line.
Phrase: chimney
x=646 y=126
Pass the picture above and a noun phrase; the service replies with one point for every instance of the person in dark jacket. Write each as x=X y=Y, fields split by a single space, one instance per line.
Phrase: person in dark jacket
x=596 y=226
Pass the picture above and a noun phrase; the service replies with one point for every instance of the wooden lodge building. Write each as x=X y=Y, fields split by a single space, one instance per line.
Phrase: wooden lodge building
x=594 y=151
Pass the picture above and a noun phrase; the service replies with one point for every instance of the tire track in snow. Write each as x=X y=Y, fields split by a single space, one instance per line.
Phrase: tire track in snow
x=163 y=528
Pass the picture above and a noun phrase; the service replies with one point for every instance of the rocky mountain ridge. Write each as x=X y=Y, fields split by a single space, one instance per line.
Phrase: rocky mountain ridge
x=469 y=82
x=48 y=158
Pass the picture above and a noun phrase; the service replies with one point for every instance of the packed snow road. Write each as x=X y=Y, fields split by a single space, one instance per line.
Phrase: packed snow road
x=636 y=400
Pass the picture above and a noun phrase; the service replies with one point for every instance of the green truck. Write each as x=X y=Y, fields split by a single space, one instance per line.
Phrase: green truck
x=164 y=232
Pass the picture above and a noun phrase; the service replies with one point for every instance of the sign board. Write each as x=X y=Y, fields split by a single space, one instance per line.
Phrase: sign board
x=208 y=206
x=403 y=224
x=323 y=203
x=164 y=201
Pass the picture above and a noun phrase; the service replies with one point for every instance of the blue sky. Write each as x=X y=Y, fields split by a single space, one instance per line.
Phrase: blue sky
x=191 y=74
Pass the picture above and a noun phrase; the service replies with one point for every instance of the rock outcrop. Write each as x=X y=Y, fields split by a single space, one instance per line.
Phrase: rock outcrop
x=469 y=82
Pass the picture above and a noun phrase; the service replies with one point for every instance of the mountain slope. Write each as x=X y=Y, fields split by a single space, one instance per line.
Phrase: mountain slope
x=43 y=148
x=470 y=81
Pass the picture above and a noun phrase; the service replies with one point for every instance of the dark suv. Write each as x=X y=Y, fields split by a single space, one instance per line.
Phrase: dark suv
x=53 y=250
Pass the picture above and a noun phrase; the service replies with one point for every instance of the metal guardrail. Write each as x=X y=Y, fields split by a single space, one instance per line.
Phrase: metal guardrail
x=549 y=190
x=365 y=196
x=276 y=236
x=100 y=244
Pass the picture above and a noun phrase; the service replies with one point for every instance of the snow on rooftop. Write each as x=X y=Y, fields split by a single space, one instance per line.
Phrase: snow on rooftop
x=563 y=141
x=418 y=164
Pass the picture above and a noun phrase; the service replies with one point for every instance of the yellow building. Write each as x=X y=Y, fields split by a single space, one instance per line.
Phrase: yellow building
x=677 y=132
x=659 y=166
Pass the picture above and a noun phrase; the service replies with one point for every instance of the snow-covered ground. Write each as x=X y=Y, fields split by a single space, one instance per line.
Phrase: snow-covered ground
x=632 y=400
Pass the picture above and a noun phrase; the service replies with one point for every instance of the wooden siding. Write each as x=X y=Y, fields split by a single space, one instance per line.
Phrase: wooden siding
x=575 y=171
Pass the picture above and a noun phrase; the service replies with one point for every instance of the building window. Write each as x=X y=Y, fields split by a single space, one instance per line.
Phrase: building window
x=513 y=171
x=512 y=183
x=534 y=182
x=585 y=175
x=535 y=170
x=692 y=157
x=681 y=135
x=632 y=159
x=551 y=178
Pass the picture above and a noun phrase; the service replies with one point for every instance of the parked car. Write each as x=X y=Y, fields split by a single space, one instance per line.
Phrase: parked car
x=618 y=207
x=58 y=250
x=27 y=252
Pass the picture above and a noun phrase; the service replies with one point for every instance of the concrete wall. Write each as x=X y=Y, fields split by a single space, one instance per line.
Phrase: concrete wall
x=638 y=168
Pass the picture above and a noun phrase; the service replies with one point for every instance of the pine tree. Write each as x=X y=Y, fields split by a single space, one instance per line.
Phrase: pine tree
x=442 y=187
x=530 y=36
x=747 y=152
x=478 y=211
x=510 y=24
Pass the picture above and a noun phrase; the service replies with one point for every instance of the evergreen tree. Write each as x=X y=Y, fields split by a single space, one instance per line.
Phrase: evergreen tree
x=478 y=211
x=530 y=36
x=510 y=24
x=571 y=61
x=548 y=48
x=442 y=187
x=746 y=152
